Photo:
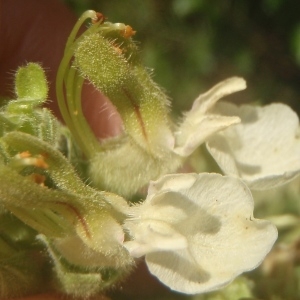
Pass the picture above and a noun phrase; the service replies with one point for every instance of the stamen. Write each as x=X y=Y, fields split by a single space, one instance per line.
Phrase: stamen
x=40 y=162
x=24 y=154
x=38 y=179
x=100 y=18
x=25 y=158
x=128 y=32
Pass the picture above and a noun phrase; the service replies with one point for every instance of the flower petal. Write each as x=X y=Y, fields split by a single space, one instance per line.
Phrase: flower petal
x=214 y=214
x=264 y=149
x=163 y=237
x=199 y=123
x=206 y=101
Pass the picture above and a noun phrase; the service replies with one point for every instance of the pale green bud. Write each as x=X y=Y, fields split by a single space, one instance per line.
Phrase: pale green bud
x=31 y=88
x=23 y=114
x=31 y=82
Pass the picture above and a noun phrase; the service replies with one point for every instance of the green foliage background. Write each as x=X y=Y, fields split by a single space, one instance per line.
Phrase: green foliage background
x=193 y=44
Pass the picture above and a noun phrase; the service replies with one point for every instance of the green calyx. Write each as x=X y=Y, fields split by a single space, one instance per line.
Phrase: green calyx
x=107 y=63
x=106 y=56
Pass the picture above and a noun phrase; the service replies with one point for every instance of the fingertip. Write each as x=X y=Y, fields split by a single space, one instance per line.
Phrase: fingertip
x=33 y=31
x=102 y=116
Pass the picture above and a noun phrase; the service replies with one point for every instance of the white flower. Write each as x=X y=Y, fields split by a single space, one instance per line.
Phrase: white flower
x=200 y=122
x=264 y=149
x=163 y=146
x=198 y=231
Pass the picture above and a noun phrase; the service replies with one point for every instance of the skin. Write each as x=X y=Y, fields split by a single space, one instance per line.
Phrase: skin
x=36 y=31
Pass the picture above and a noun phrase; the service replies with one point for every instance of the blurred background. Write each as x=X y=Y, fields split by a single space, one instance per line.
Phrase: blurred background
x=193 y=44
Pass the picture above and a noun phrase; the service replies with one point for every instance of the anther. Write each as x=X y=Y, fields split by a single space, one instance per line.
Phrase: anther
x=128 y=32
x=100 y=18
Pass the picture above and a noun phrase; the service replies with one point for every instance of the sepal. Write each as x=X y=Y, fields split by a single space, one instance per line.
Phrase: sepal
x=84 y=281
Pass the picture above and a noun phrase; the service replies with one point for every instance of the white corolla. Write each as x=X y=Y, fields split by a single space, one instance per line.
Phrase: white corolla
x=198 y=232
